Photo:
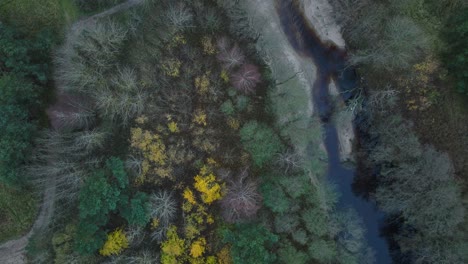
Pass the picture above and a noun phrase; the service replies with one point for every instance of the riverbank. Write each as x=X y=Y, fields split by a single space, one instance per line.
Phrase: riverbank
x=336 y=126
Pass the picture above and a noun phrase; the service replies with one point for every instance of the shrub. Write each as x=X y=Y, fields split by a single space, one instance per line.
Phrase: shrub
x=228 y=108
x=260 y=141
x=18 y=208
x=242 y=102
x=246 y=78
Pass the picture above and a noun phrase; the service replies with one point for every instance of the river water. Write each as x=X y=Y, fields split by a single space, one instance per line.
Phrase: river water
x=330 y=62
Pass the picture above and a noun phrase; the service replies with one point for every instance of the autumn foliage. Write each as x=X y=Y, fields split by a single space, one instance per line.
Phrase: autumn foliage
x=115 y=244
x=209 y=187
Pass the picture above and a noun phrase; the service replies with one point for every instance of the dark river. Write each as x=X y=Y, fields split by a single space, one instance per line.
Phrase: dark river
x=330 y=62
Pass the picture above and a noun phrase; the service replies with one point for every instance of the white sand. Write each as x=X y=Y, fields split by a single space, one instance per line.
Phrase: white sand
x=320 y=15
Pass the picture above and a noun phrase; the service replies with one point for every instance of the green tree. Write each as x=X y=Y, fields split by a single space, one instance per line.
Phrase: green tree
x=17 y=97
x=323 y=251
x=25 y=57
x=315 y=221
x=260 y=141
x=424 y=192
x=275 y=198
x=251 y=243
x=288 y=254
x=456 y=55
x=135 y=211
x=89 y=237
x=100 y=196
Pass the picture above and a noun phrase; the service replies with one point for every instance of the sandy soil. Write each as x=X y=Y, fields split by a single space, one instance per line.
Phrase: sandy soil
x=320 y=15
x=344 y=124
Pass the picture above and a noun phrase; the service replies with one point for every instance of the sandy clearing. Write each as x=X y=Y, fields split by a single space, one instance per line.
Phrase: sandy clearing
x=320 y=15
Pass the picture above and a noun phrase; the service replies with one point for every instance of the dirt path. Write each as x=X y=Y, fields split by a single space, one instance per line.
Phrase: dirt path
x=12 y=252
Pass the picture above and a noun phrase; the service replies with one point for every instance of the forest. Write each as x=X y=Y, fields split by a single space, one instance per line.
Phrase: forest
x=147 y=131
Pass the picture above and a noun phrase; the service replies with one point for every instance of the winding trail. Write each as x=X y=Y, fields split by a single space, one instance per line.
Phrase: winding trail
x=13 y=251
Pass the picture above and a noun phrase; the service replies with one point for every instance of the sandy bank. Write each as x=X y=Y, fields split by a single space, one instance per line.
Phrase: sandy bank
x=320 y=16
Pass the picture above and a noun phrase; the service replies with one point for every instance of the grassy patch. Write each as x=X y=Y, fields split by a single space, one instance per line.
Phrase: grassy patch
x=70 y=11
x=17 y=212
x=32 y=16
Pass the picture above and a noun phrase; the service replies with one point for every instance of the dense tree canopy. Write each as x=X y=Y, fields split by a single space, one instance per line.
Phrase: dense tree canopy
x=251 y=243
x=456 y=56
x=260 y=141
x=23 y=67
x=17 y=97
x=104 y=192
x=23 y=56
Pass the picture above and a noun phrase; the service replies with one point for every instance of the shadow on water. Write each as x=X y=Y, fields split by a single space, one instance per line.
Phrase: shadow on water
x=330 y=62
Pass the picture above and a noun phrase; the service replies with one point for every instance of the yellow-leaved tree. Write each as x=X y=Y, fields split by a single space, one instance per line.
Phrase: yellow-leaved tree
x=210 y=188
x=116 y=242
x=198 y=248
x=173 y=248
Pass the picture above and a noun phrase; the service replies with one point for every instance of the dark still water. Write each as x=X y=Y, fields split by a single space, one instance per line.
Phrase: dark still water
x=330 y=62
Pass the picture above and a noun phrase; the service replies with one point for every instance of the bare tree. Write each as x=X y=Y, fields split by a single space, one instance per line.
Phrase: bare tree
x=242 y=199
x=81 y=64
x=246 y=78
x=289 y=160
x=124 y=99
x=383 y=99
x=229 y=56
x=401 y=46
x=134 y=164
x=163 y=206
x=179 y=16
